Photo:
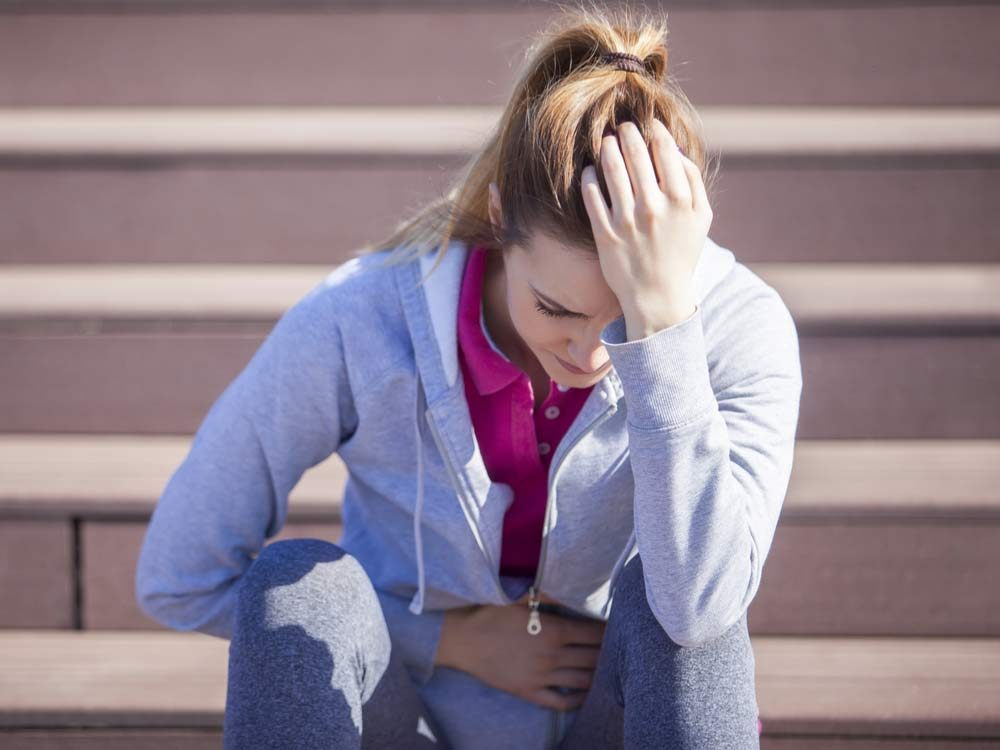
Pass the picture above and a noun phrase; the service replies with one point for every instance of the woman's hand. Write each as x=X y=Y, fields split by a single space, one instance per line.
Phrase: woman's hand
x=493 y=644
x=651 y=237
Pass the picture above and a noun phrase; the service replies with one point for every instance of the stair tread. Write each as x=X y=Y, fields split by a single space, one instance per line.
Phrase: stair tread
x=815 y=292
x=456 y=129
x=932 y=686
x=109 y=475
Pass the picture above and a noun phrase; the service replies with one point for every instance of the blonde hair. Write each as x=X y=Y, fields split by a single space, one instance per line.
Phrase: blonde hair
x=550 y=129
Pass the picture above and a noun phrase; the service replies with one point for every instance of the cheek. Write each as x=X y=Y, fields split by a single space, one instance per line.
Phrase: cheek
x=536 y=329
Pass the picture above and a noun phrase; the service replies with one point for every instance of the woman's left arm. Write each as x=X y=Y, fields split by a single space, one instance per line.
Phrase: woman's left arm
x=711 y=467
x=711 y=449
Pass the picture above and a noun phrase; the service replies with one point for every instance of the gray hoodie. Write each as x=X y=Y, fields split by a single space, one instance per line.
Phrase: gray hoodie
x=682 y=452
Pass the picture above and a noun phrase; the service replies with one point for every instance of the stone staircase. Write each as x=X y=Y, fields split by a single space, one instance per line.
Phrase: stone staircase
x=174 y=175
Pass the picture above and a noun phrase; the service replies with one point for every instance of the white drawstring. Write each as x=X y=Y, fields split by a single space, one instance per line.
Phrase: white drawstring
x=417 y=603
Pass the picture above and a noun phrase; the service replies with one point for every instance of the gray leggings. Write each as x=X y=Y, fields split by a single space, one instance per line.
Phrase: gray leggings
x=646 y=692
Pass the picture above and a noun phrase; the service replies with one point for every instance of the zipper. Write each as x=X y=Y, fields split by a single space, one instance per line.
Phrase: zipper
x=534 y=618
x=457 y=485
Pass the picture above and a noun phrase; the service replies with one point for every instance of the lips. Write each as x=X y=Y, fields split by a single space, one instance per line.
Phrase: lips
x=577 y=370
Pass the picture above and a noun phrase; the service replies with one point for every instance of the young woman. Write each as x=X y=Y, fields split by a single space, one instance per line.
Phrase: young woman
x=568 y=418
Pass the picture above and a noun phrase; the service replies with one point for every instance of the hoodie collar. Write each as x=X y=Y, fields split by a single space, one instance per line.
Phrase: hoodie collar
x=489 y=370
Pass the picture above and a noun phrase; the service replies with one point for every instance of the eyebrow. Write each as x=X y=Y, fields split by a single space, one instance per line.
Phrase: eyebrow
x=556 y=305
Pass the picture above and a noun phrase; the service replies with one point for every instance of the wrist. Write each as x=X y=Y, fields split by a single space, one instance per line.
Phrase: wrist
x=641 y=321
x=451 y=642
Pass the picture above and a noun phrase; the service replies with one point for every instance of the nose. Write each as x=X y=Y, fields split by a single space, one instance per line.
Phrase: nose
x=588 y=357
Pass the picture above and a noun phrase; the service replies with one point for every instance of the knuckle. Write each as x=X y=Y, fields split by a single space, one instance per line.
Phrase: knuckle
x=549 y=660
x=677 y=198
x=636 y=145
x=580 y=678
x=561 y=632
x=569 y=702
x=648 y=212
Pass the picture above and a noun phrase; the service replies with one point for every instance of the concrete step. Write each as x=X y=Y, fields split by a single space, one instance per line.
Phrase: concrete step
x=809 y=690
x=887 y=351
x=721 y=52
x=875 y=537
x=309 y=185
x=203 y=132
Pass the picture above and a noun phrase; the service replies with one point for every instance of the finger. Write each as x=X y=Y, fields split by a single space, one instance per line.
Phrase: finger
x=699 y=195
x=570 y=677
x=639 y=163
x=673 y=178
x=593 y=200
x=616 y=177
x=582 y=632
x=554 y=699
x=582 y=657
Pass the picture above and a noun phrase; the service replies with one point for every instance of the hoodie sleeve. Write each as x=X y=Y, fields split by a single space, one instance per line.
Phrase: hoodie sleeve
x=417 y=636
x=711 y=447
x=286 y=411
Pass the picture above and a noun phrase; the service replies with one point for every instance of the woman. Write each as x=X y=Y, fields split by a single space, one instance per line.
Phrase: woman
x=552 y=392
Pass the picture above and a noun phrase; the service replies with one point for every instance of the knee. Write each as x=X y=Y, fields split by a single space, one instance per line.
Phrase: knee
x=630 y=589
x=633 y=606
x=630 y=608
x=308 y=582
x=292 y=561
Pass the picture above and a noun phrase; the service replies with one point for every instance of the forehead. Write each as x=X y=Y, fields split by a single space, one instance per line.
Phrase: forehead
x=568 y=276
x=568 y=273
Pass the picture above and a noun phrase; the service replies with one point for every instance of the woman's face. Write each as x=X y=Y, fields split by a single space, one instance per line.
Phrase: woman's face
x=557 y=303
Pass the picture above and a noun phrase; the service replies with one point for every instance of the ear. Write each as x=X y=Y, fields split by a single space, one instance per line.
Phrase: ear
x=496 y=216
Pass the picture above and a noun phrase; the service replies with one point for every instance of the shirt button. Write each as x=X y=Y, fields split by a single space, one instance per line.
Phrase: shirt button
x=552 y=412
x=562 y=387
x=604 y=395
x=544 y=448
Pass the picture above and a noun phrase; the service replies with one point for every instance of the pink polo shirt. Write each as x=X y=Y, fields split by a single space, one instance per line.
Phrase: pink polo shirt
x=517 y=441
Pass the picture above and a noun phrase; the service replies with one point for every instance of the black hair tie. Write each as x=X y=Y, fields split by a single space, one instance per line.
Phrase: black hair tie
x=624 y=61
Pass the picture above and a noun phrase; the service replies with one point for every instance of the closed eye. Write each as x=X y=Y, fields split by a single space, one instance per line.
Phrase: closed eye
x=555 y=313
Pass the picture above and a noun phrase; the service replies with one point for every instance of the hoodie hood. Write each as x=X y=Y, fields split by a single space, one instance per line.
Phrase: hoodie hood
x=438 y=301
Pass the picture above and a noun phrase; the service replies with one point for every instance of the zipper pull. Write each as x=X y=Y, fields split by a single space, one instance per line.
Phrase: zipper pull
x=534 y=619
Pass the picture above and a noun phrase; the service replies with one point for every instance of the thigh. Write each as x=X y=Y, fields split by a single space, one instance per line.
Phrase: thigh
x=311 y=663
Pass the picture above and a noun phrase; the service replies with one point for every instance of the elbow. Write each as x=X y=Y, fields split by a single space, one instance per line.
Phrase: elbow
x=692 y=626
x=183 y=601
x=150 y=598
x=159 y=601
x=200 y=613
x=702 y=633
x=693 y=633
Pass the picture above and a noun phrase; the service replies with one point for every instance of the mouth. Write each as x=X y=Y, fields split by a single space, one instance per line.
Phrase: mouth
x=577 y=370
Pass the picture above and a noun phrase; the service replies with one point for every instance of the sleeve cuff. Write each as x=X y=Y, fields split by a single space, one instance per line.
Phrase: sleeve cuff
x=664 y=375
x=416 y=636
